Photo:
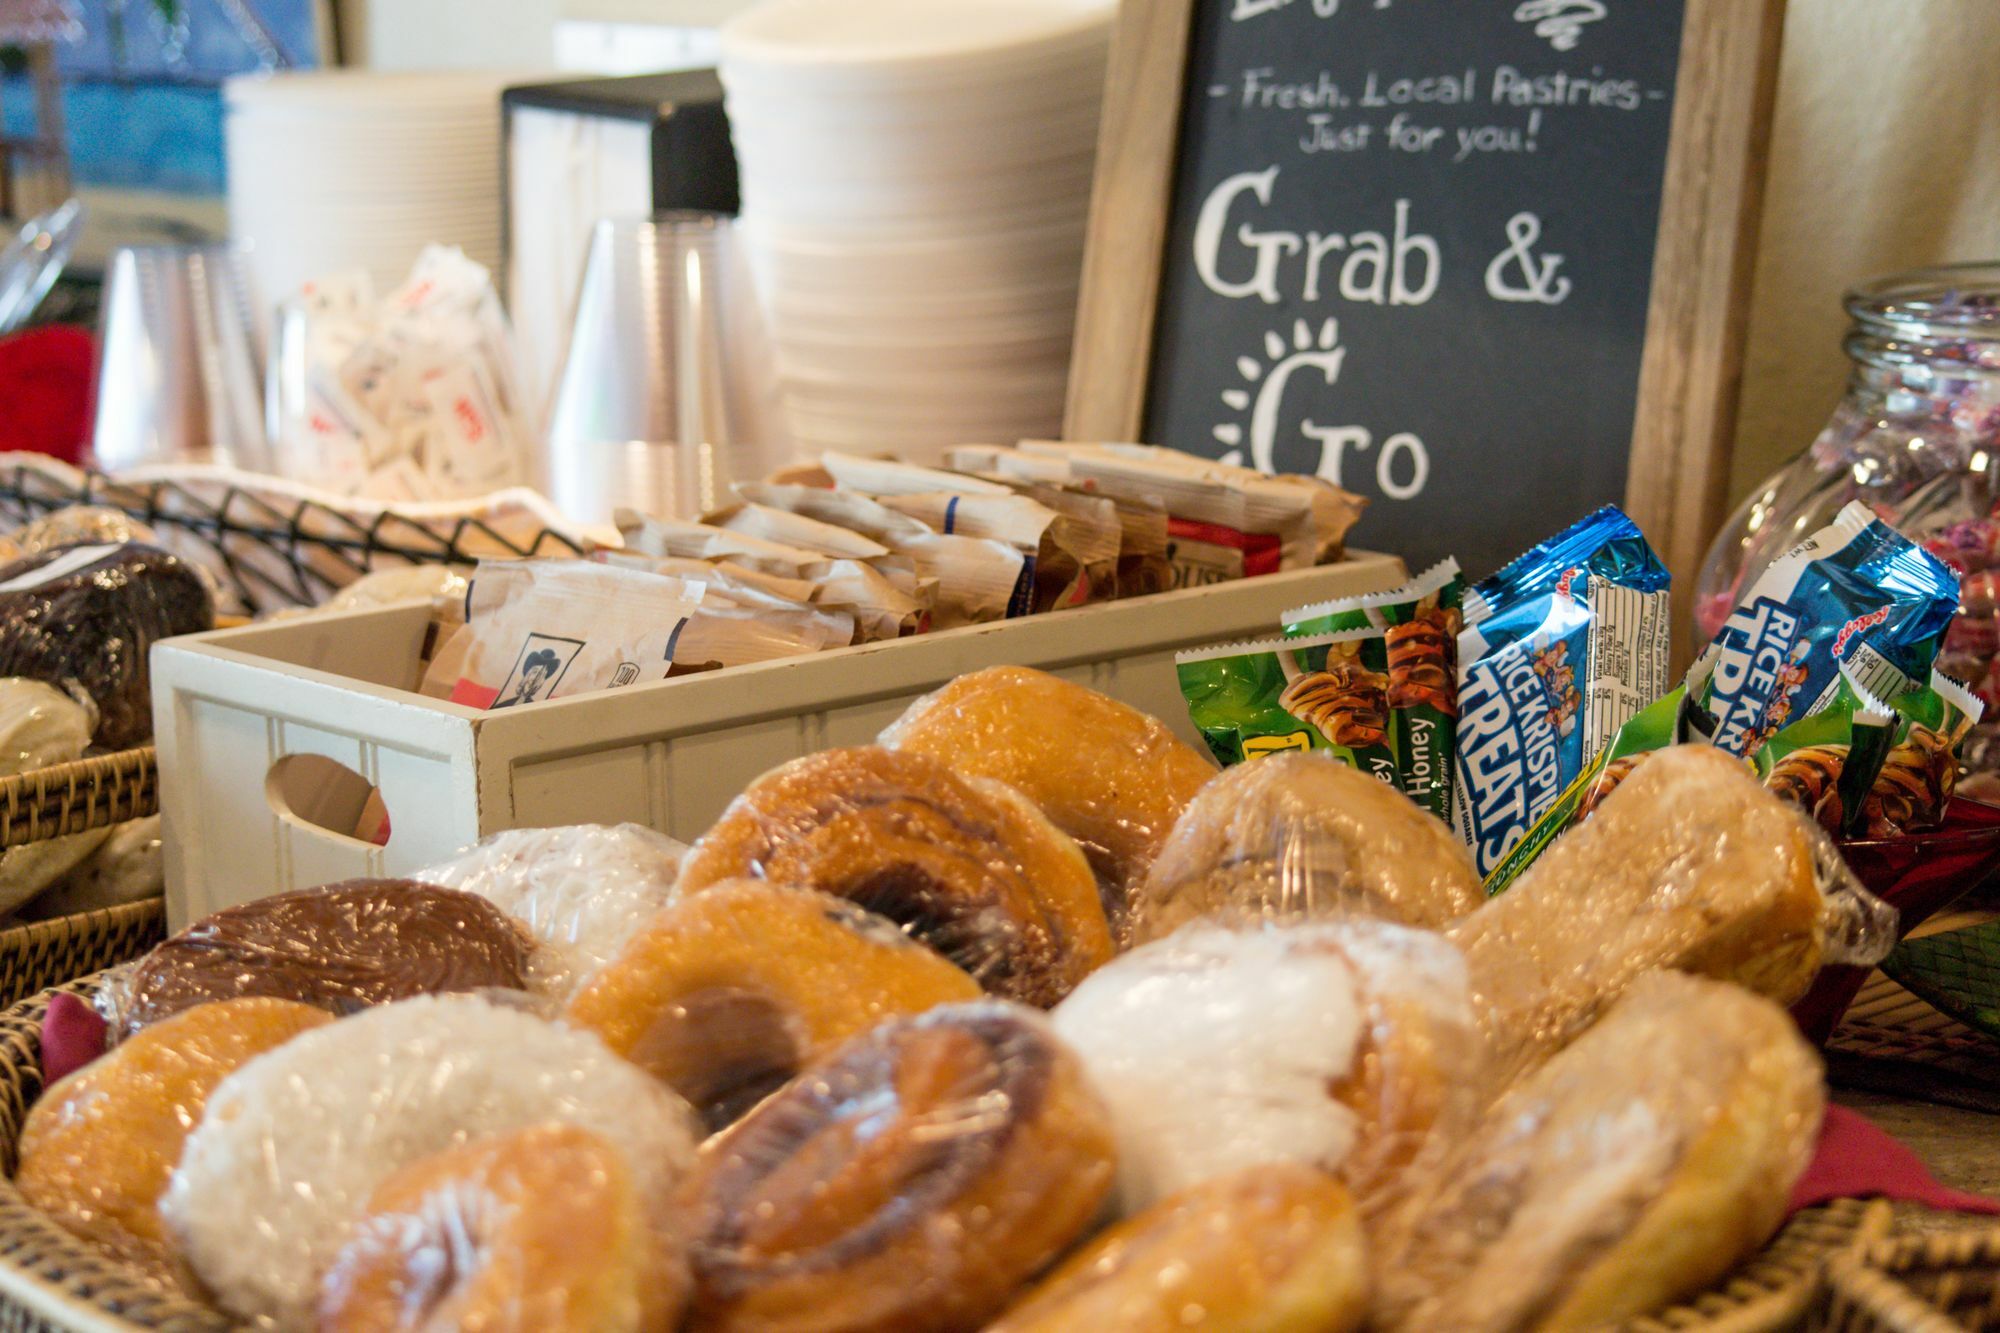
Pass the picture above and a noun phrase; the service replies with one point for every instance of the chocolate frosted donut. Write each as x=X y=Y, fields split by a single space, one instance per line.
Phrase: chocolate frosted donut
x=340 y=948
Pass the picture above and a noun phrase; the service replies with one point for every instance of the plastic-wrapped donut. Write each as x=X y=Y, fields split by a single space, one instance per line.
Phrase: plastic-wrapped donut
x=581 y=891
x=1351 y=1046
x=537 y=1231
x=727 y=994
x=1266 y=1250
x=1301 y=836
x=301 y=1138
x=1110 y=776
x=98 y=1147
x=968 y=866
x=914 y=1179
x=340 y=948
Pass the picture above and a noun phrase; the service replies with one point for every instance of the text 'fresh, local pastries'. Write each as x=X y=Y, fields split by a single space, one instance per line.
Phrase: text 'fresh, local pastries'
x=968 y=866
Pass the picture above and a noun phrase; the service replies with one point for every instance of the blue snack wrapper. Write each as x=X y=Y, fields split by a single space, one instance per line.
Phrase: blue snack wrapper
x=1561 y=649
x=1856 y=594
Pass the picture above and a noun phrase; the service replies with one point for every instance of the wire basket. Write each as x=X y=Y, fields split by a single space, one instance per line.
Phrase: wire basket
x=272 y=545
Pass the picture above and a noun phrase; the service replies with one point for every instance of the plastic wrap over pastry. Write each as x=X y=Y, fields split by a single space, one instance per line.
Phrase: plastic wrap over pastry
x=302 y=1138
x=582 y=891
x=98 y=1147
x=90 y=615
x=537 y=1229
x=1633 y=1169
x=1350 y=1046
x=1275 y=1247
x=915 y=1178
x=967 y=865
x=129 y=866
x=1689 y=863
x=726 y=995
x=339 y=948
x=41 y=726
x=1110 y=776
x=73 y=524
x=1300 y=836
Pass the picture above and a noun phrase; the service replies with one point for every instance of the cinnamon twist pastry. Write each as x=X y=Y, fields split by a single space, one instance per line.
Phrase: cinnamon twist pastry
x=726 y=994
x=913 y=1180
x=1112 y=777
x=968 y=866
x=1268 y=1250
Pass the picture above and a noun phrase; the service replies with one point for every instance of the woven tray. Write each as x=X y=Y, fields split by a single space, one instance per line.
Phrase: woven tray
x=1919 y=1284
x=42 y=954
x=51 y=1282
x=74 y=797
x=1894 y=1042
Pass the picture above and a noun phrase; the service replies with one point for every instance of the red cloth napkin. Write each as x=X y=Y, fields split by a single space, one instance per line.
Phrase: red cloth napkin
x=1858 y=1160
x=72 y=1036
x=45 y=391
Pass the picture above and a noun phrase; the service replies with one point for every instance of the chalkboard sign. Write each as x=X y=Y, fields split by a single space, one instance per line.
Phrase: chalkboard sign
x=1415 y=249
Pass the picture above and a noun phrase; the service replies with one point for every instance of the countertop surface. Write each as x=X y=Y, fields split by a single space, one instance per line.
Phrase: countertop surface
x=1962 y=1149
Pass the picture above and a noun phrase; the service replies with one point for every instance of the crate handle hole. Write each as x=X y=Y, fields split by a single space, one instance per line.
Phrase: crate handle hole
x=327 y=794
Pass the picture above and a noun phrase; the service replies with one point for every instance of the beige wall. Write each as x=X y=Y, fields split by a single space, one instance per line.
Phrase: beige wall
x=1886 y=155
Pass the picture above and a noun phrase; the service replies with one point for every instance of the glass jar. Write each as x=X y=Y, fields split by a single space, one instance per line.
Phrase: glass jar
x=1918 y=437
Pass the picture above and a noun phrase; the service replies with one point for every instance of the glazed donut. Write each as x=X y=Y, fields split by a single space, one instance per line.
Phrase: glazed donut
x=1267 y=1250
x=1304 y=835
x=1690 y=863
x=300 y=1138
x=914 y=1179
x=581 y=891
x=970 y=867
x=535 y=1231
x=1636 y=1166
x=97 y=1148
x=338 y=948
x=1112 y=777
x=725 y=995
x=1350 y=1046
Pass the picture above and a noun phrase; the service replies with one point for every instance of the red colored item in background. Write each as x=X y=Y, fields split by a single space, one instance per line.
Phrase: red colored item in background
x=45 y=391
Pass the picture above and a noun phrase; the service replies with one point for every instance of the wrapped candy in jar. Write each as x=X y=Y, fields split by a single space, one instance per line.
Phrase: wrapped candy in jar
x=1917 y=437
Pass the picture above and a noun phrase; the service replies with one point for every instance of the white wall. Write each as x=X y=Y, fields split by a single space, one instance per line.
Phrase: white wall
x=454 y=34
x=1886 y=155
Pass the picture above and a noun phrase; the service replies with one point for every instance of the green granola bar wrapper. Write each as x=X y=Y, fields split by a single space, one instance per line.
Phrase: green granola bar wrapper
x=1324 y=692
x=1826 y=761
x=1419 y=623
x=1918 y=774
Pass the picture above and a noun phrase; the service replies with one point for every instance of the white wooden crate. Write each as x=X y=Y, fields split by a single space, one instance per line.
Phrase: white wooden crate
x=236 y=710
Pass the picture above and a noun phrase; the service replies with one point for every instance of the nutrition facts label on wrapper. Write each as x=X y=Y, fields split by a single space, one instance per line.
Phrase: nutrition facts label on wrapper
x=1630 y=657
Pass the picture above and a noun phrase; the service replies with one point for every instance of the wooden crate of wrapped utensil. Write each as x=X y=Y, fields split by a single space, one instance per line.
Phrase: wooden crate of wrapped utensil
x=60 y=801
x=52 y=1282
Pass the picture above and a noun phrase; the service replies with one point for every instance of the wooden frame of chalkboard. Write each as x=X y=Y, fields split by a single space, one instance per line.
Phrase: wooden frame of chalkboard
x=1694 y=304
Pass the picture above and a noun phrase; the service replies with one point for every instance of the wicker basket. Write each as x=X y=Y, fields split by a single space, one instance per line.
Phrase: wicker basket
x=1919 y=1284
x=55 y=802
x=51 y=1282
x=75 y=797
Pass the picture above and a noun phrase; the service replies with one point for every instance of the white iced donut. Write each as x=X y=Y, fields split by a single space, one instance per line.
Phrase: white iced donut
x=582 y=891
x=293 y=1144
x=1217 y=1050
